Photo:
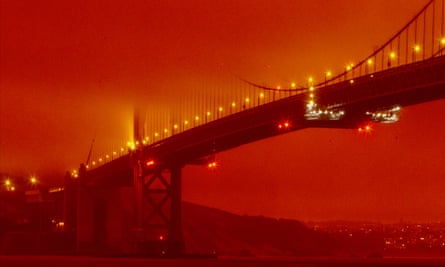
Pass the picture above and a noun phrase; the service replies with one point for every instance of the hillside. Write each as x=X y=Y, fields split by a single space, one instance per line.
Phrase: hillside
x=208 y=230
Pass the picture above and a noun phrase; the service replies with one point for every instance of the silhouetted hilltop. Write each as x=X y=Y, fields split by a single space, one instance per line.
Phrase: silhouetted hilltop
x=209 y=230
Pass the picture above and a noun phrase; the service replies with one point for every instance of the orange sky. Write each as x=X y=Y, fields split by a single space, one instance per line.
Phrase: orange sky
x=71 y=70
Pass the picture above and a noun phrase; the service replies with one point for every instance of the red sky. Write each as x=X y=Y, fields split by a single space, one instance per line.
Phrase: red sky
x=71 y=70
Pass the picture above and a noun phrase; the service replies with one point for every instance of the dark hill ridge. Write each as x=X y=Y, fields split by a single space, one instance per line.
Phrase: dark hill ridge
x=209 y=230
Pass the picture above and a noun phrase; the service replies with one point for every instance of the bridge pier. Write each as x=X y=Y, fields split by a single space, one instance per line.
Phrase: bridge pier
x=158 y=208
x=175 y=230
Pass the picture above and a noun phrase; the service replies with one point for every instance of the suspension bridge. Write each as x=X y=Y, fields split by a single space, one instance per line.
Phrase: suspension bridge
x=130 y=199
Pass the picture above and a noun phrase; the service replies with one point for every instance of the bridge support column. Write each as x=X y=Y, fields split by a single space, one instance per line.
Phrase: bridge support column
x=175 y=227
x=158 y=211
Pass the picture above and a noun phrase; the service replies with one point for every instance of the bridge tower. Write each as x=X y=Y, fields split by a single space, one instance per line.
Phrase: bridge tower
x=158 y=188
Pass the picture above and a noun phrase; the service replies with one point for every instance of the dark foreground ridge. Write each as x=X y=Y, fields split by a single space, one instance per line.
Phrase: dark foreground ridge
x=211 y=232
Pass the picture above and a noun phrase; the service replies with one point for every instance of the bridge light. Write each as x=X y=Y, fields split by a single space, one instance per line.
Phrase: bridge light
x=311 y=95
x=161 y=237
x=278 y=87
x=233 y=104
x=284 y=125
x=156 y=134
x=310 y=79
x=311 y=88
x=122 y=149
x=392 y=55
x=247 y=100
x=8 y=182
x=442 y=41
x=365 y=128
x=209 y=113
x=175 y=126
x=12 y=188
x=328 y=73
x=196 y=118
x=220 y=109
x=212 y=165
x=261 y=95
x=93 y=163
x=149 y=163
x=417 y=48
x=370 y=61
x=186 y=122
x=351 y=81
x=293 y=85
